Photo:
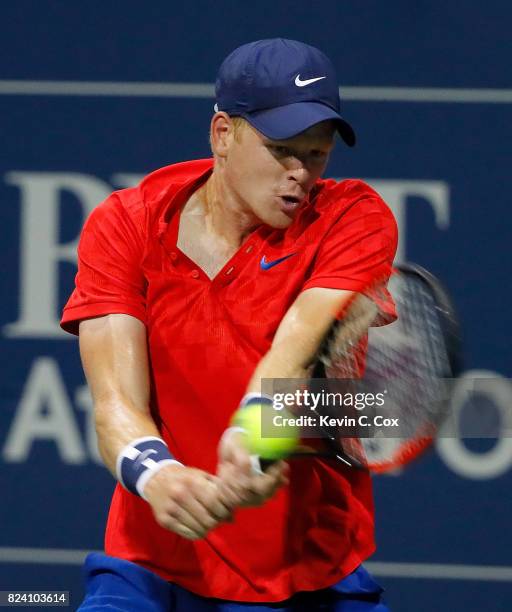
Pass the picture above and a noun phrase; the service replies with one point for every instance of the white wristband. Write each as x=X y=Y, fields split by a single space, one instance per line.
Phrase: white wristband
x=141 y=459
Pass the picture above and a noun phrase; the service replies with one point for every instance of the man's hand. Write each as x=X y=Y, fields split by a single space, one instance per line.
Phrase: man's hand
x=239 y=484
x=186 y=501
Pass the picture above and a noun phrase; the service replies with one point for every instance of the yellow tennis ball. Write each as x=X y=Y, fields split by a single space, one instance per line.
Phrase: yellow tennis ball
x=267 y=446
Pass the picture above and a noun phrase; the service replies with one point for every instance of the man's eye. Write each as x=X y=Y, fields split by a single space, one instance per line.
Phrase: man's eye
x=318 y=154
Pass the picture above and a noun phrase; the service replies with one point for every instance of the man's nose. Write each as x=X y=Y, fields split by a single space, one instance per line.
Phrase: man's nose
x=298 y=171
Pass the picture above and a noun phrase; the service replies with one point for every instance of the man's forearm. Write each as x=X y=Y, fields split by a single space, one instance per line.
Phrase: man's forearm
x=276 y=364
x=118 y=424
x=299 y=336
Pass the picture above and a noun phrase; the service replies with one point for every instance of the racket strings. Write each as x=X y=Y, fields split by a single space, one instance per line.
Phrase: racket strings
x=419 y=358
x=346 y=348
x=409 y=359
x=422 y=312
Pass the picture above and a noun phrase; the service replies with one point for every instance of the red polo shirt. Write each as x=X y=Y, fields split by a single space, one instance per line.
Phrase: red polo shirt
x=205 y=338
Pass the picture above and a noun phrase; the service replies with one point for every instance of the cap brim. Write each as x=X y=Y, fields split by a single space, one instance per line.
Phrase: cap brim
x=287 y=121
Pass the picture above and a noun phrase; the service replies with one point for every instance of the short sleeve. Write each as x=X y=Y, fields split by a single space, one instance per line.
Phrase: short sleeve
x=110 y=278
x=357 y=252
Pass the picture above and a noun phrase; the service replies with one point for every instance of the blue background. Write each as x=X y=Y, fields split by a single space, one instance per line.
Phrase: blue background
x=430 y=514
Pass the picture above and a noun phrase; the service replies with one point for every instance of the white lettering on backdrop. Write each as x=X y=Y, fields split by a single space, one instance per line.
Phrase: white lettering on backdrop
x=45 y=411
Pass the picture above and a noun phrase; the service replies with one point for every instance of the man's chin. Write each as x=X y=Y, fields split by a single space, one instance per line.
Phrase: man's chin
x=280 y=220
x=281 y=224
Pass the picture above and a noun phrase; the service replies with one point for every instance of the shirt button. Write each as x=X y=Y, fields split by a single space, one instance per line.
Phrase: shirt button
x=174 y=256
x=195 y=274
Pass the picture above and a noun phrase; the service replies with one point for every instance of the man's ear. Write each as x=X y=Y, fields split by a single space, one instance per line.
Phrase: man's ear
x=221 y=133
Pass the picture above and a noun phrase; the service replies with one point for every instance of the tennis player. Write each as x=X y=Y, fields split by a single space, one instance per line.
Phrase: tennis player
x=193 y=286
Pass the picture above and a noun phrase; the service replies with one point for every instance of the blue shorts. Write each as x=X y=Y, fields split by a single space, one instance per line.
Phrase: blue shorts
x=120 y=586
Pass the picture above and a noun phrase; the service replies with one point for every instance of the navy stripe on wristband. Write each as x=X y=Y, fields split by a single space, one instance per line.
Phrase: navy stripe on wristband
x=140 y=460
x=255 y=398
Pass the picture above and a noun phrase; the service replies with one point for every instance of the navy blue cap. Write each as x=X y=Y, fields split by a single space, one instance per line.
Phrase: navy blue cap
x=281 y=87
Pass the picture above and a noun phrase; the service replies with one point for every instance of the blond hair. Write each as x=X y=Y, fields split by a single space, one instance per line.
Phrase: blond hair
x=239 y=124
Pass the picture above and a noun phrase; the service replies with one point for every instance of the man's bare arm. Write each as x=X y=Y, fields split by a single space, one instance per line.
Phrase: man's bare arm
x=293 y=349
x=114 y=355
x=300 y=335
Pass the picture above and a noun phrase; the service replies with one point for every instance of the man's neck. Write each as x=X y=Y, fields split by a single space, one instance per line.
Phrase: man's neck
x=223 y=215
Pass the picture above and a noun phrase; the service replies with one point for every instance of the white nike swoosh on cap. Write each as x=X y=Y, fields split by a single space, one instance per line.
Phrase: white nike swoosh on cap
x=300 y=83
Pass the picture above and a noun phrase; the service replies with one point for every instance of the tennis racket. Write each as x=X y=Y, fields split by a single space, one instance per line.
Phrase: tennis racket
x=409 y=362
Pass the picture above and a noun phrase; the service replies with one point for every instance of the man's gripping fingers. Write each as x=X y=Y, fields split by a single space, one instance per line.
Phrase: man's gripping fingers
x=233 y=485
x=256 y=489
x=186 y=501
x=212 y=499
x=265 y=485
x=191 y=517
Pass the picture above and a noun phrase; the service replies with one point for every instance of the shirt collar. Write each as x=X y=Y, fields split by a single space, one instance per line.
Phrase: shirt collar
x=183 y=193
